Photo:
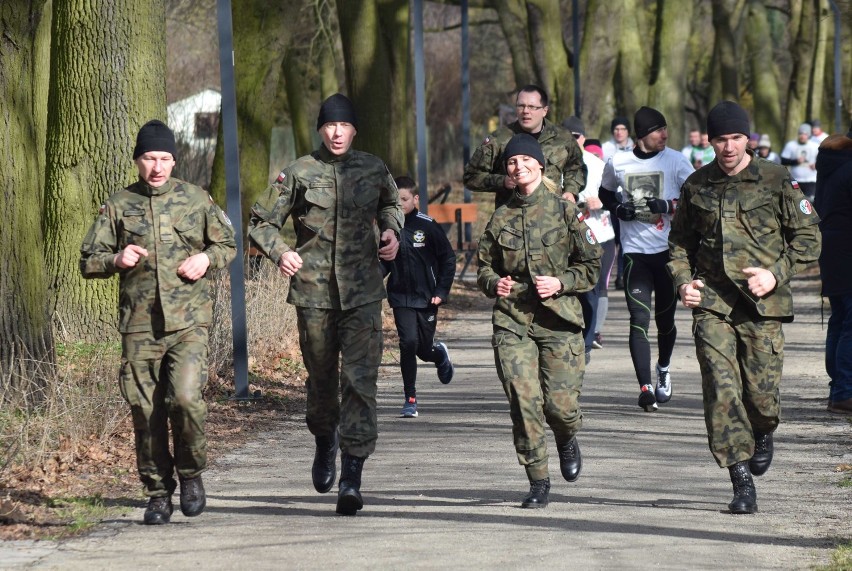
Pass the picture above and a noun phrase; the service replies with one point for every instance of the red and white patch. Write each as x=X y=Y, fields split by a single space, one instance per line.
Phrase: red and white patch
x=281 y=177
x=795 y=184
x=101 y=209
x=806 y=207
x=581 y=216
x=590 y=236
x=486 y=140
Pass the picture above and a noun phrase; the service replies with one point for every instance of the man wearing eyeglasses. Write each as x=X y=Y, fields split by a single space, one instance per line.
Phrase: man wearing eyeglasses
x=564 y=159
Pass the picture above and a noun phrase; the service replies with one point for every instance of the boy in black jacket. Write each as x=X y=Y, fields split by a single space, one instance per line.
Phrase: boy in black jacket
x=420 y=279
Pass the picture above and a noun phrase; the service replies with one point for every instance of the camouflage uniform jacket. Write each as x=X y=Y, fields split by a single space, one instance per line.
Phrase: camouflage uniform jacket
x=173 y=222
x=335 y=203
x=756 y=218
x=539 y=234
x=486 y=170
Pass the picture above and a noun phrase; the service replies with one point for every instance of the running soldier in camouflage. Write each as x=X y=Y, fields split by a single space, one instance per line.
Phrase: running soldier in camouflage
x=535 y=256
x=161 y=235
x=743 y=229
x=336 y=196
x=486 y=171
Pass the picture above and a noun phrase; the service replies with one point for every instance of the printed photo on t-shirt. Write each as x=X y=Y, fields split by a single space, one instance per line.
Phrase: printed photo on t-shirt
x=640 y=186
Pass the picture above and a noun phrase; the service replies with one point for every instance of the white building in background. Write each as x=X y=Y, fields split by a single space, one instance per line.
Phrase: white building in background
x=195 y=119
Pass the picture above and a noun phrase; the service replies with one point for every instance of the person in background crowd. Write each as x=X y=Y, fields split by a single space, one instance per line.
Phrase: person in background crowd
x=833 y=203
x=420 y=279
x=800 y=155
x=742 y=231
x=595 y=302
x=649 y=178
x=564 y=159
x=764 y=150
x=535 y=257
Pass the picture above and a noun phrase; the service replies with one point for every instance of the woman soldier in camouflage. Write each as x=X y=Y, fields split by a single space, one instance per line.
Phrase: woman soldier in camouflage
x=535 y=256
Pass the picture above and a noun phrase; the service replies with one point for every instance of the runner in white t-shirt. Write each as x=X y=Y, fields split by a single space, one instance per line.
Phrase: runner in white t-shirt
x=642 y=188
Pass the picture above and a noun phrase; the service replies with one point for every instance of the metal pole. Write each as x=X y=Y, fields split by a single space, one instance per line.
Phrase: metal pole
x=465 y=86
x=575 y=30
x=232 y=190
x=420 y=105
x=838 y=95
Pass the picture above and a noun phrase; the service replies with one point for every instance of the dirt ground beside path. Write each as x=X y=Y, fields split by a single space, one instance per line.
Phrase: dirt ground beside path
x=442 y=490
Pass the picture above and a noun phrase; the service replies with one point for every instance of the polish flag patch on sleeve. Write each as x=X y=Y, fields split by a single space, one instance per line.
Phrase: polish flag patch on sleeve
x=795 y=184
x=281 y=177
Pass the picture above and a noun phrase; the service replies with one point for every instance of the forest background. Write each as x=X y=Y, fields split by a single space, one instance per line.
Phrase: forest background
x=79 y=77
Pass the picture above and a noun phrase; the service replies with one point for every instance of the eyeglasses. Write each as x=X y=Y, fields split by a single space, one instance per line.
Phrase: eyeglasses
x=520 y=107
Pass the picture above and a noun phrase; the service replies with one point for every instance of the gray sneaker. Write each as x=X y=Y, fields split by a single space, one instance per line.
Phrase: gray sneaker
x=663 y=391
x=445 y=367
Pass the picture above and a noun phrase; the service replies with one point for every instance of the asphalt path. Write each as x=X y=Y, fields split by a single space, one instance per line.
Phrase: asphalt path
x=443 y=490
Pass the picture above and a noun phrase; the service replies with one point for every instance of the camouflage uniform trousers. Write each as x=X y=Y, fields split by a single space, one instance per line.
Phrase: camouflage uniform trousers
x=542 y=375
x=741 y=358
x=342 y=350
x=162 y=378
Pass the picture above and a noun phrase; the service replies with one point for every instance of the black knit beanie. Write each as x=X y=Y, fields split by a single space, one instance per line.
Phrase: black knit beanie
x=619 y=121
x=575 y=125
x=647 y=121
x=337 y=109
x=155 y=136
x=727 y=118
x=523 y=144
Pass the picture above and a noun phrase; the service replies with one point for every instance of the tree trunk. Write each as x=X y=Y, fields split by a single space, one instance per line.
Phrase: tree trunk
x=669 y=76
x=725 y=85
x=512 y=15
x=26 y=342
x=551 y=57
x=108 y=62
x=803 y=57
x=764 y=73
x=598 y=59
x=824 y=22
x=294 y=74
x=375 y=38
x=635 y=55
x=261 y=32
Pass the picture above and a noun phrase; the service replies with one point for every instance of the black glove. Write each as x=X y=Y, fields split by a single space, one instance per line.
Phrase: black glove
x=626 y=211
x=659 y=206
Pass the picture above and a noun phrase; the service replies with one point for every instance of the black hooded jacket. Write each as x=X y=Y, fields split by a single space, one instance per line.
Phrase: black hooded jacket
x=833 y=203
x=424 y=266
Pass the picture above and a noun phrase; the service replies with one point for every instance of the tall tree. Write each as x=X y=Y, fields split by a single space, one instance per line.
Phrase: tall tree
x=551 y=56
x=817 y=83
x=669 y=68
x=376 y=49
x=634 y=51
x=261 y=32
x=726 y=18
x=764 y=74
x=25 y=327
x=598 y=59
x=108 y=61
x=804 y=14
x=512 y=15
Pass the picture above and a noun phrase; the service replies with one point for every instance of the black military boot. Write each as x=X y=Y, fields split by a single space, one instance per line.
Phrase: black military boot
x=325 y=462
x=349 y=489
x=570 y=460
x=745 y=495
x=539 y=492
x=193 y=499
x=762 y=458
x=159 y=510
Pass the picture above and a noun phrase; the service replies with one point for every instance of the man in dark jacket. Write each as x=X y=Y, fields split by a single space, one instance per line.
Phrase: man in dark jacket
x=420 y=279
x=833 y=203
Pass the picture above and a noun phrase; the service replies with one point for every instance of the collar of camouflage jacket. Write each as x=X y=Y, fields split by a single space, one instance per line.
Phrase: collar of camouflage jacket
x=149 y=190
x=327 y=156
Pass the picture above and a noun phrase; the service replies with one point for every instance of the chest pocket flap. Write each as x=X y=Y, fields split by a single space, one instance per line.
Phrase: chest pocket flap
x=759 y=212
x=511 y=238
x=320 y=194
x=551 y=237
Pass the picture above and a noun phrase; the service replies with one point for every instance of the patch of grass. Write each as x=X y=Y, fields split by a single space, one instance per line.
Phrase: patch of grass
x=81 y=513
x=845 y=482
x=841 y=559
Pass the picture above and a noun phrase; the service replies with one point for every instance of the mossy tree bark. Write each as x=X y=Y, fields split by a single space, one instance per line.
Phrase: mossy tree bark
x=108 y=64
x=598 y=61
x=764 y=74
x=802 y=48
x=25 y=329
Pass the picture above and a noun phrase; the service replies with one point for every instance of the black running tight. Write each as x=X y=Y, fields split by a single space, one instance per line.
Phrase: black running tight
x=644 y=274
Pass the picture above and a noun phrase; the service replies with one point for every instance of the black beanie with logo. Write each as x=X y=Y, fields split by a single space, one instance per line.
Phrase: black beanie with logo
x=647 y=120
